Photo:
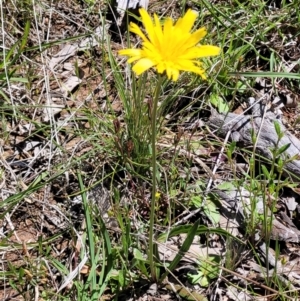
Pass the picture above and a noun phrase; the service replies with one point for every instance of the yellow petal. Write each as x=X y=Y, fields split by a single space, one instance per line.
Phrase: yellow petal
x=178 y=43
x=200 y=51
x=150 y=50
x=186 y=23
x=142 y=65
x=158 y=33
x=198 y=71
x=168 y=32
x=196 y=37
x=133 y=59
x=135 y=29
x=189 y=40
x=160 y=67
x=173 y=74
x=190 y=66
x=130 y=52
x=148 y=24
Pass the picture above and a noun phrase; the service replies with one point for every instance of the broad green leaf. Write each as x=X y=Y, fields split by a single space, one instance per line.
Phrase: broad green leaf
x=195 y=278
x=138 y=255
x=204 y=281
x=177 y=230
x=212 y=212
x=277 y=128
x=282 y=149
x=208 y=269
x=211 y=267
x=226 y=186
x=241 y=86
x=184 y=248
x=197 y=201
x=219 y=103
x=265 y=171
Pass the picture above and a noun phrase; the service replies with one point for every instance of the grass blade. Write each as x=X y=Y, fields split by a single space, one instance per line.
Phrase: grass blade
x=266 y=74
x=184 y=248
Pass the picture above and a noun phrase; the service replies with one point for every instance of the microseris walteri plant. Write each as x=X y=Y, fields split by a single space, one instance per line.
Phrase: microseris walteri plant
x=170 y=47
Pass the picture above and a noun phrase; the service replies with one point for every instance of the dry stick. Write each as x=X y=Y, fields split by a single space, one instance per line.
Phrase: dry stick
x=216 y=165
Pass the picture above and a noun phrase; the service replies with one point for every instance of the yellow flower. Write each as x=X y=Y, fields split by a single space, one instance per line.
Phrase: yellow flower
x=170 y=48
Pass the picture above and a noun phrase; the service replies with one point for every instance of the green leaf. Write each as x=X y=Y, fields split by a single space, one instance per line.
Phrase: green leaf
x=98 y=284
x=140 y=261
x=231 y=149
x=219 y=103
x=4 y=95
x=204 y=281
x=211 y=211
x=267 y=74
x=241 y=86
x=195 y=278
x=211 y=267
x=177 y=230
x=138 y=255
x=253 y=136
x=184 y=248
x=44 y=46
x=19 y=80
x=226 y=186
x=6 y=63
x=280 y=165
x=265 y=171
x=208 y=270
x=121 y=279
x=25 y=36
x=196 y=200
x=282 y=149
x=277 y=128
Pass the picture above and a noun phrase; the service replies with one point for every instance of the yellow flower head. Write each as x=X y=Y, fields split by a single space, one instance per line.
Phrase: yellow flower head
x=169 y=48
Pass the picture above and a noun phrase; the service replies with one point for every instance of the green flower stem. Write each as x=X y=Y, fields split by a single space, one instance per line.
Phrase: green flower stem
x=154 y=190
